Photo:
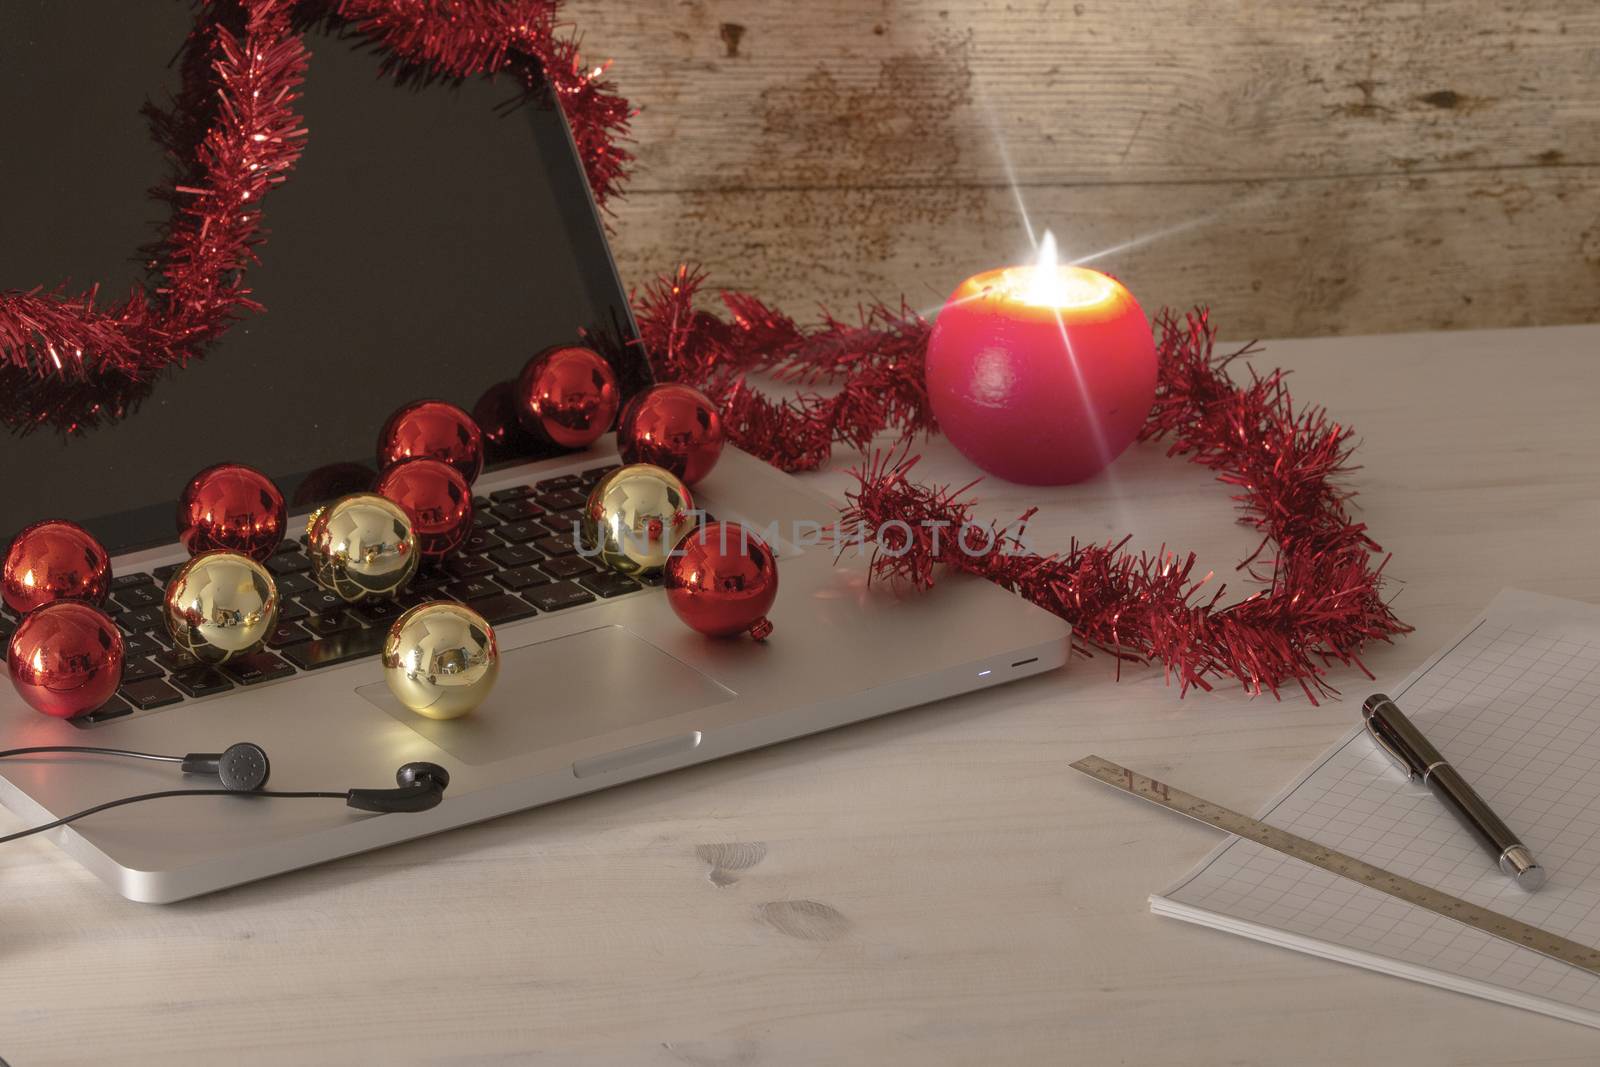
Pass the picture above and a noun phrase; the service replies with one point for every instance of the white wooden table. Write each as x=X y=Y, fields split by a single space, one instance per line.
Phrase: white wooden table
x=932 y=887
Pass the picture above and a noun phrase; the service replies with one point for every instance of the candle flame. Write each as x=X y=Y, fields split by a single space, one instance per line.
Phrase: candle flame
x=1049 y=284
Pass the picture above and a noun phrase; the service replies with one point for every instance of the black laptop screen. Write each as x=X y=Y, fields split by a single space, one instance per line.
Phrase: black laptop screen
x=427 y=244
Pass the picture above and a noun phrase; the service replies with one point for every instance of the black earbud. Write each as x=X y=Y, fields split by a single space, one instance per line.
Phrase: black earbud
x=421 y=786
x=244 y=767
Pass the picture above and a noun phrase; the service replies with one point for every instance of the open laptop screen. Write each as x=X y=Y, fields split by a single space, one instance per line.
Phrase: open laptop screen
x=426 y=245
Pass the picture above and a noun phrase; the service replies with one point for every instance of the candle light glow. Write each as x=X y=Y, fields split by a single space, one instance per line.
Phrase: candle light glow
x=1048 y=284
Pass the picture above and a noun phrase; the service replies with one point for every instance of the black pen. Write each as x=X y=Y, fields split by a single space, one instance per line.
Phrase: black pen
x=1404 y=743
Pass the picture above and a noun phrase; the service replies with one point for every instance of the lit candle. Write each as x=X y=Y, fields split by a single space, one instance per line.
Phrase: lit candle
x=1041 y=374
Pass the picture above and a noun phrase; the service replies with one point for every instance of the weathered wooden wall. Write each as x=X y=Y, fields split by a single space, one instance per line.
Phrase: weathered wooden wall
x=1304 y=166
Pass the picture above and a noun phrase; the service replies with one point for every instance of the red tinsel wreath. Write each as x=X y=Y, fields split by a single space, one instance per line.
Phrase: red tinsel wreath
x=232 y=133
x=1324 y=574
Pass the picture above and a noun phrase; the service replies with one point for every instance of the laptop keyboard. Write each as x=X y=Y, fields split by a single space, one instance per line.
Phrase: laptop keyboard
x=520 y=561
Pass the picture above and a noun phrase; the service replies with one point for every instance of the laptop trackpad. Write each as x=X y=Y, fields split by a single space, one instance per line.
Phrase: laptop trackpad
x=564 y=690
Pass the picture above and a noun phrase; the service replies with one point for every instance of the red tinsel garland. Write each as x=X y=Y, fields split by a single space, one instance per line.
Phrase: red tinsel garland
x=874 y=368
x=232 y=133
x=1324 y=574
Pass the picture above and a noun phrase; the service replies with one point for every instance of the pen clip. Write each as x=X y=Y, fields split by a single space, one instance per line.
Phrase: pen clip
x=1389 y=748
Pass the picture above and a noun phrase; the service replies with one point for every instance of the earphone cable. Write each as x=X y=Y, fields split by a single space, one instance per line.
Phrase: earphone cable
x=156 y=757
x=75 y=816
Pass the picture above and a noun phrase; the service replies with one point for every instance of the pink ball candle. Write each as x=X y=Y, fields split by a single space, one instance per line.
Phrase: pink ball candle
x=1041 y=375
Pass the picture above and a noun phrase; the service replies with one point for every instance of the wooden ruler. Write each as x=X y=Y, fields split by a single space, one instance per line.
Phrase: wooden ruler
x=1440 y=903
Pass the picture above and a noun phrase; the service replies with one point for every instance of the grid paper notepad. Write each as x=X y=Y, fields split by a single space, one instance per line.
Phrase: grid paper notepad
x=1514 y=704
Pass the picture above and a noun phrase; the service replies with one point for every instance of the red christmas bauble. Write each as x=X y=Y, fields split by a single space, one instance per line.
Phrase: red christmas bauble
x=495 y=412
x=722 y=579
x=54 y=560
x=66 y=658
x=671 y=426
x=233 y=508
x=432 y=429
x=568 y=396
x=436 y=498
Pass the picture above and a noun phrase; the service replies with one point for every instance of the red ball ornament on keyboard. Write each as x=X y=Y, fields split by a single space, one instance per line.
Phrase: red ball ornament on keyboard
x=722 y=580
x=436 y=498
x=432 y=429
x=54 y=560
x=66 y=659
x=495 y=412
x=672 y=426
x=233 y=508
x=568 y=396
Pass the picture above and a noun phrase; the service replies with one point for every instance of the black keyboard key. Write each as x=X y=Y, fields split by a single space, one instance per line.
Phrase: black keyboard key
x=340 y=648
x=518 y=532
x=141 y=619
x=557 y=596
x=257 y=667
x=594 y=474
x=136 y=645
x=288 y=548
x=292 y=585
x=150 y=693
x=287 y=633
x=566 y=526
x=430 y=579
x=290 y=610
x=288 y=563
x=201 y=681
x=480 y=503
x=138 y=668
x=111 y=709
x=377 y=612
x=321 y=624
x=522 y=577
x=517 y=510
x=609 y=584
x=516 y=492
x=555 y=545
x=320 y=599
x=472 y=589
x=130 y=581
x=483 y=520
x=139 y=596
x=411 y=597
x=516 y=555
x=174 y=660
x=563 y=500
x=502 y=608
x=567 y=567
x=479 y=542
x=163 y=575
x=462 y=567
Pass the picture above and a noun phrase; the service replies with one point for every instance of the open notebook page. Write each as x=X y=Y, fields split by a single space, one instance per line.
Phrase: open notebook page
x=1514 y=704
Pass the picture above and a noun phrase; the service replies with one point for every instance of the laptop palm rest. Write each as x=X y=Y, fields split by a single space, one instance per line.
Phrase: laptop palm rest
x=564 y=690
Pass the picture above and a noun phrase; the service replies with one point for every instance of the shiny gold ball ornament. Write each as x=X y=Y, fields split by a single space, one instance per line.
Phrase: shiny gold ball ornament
x=440 y=659
x=220 y=605
x=634 y=517
x=362 y=546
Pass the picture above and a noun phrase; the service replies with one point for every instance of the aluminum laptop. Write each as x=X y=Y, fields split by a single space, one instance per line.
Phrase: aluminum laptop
x=427 y=245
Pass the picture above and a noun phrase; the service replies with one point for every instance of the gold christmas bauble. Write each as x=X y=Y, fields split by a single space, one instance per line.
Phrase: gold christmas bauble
x=440 y=659
x=634 y=518
x=220 y=605
x=362 y=546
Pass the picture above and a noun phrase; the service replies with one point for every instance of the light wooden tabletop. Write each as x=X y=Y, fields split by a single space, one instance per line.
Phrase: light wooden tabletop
x=932 y=887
